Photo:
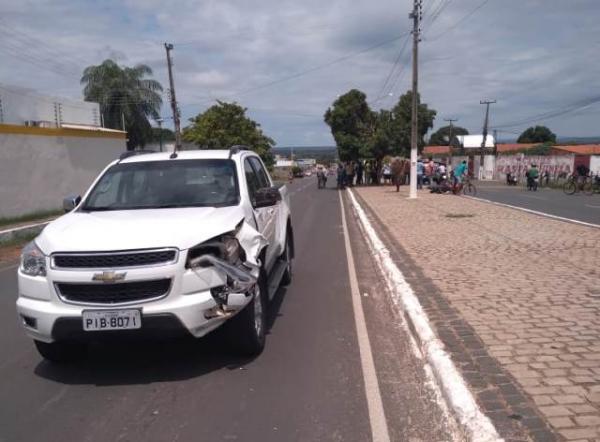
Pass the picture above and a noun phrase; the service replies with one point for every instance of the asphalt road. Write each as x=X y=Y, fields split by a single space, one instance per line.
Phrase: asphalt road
x=579 y=207
x=308 y=384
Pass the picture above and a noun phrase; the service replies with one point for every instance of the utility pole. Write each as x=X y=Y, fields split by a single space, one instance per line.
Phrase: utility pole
x=415 y=15
x=485 y=131
x=486 y=121
x=451 y=120
x=160 y=132
x=169 y=48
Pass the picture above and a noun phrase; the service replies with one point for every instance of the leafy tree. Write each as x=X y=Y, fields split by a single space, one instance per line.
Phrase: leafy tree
x=441 y=137
x=226 y=124
x=537 y=134
x=401 y=124
x=124 y=92
x=352 y=123
x=167 y=135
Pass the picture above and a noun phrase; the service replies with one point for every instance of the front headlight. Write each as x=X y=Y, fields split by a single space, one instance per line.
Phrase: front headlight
x=225 y=247
x=33 y=260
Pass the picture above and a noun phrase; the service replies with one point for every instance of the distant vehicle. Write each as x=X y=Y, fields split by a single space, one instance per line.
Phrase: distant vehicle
x=160 y=245
x=308 y=173
x=298 y=173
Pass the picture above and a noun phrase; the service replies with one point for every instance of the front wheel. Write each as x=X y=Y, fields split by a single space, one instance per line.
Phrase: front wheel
x=570 y=188
x=470 y=190
x=588 y=187
x=288 y=257
x=61 y=352
x=248 y=329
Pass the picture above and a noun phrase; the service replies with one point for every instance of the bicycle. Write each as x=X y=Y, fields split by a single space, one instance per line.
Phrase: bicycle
x=574 y=184
x=592 y=185
x=466 y=187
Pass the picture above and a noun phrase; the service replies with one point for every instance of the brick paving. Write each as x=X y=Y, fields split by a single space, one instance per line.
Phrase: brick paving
x=520 y=301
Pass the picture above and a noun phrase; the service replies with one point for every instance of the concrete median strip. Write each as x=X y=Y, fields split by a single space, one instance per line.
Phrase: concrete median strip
x=475 y=425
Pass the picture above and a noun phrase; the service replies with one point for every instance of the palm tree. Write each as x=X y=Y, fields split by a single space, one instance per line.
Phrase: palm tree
x=124 y=93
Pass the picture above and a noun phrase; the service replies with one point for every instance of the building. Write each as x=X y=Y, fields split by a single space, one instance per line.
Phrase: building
x=49 y=147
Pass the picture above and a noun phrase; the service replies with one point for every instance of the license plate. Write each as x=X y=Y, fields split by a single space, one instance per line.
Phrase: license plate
x=99 y=320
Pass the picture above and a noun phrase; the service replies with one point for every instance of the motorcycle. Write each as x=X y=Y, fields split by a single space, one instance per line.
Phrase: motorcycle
x=443 y=185
x=532 y=183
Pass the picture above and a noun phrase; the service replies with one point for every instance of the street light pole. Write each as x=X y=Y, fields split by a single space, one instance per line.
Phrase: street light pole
x=175 y=109
x=416 y=17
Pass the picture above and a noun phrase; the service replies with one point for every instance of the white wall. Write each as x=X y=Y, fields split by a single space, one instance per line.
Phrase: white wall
x=37 y=172
x=595 y=164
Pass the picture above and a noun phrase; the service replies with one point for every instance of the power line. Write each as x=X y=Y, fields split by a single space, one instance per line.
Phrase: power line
x=459 y=22
x=382 y=91
x=309 y=70
x=575 y=106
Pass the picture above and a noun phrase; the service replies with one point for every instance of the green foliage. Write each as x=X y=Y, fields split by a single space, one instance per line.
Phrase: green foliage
x=537 y=134
x=352 y=123
x=441 y=137
x=361 y=133
x=226 y=124
x=167 y=135
x=124 y=92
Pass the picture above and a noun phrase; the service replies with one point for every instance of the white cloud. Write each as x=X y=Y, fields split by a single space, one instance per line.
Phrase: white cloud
x=532 y=56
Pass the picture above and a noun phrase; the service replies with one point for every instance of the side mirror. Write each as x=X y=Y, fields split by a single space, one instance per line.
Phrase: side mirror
x=70 y=202
x=268 y=196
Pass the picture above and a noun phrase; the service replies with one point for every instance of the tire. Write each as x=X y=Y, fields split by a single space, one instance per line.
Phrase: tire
x=287 y=256
x=588 y=187
x=248 y=329
x=470 y=190
x=61 y=352
x=570 y=187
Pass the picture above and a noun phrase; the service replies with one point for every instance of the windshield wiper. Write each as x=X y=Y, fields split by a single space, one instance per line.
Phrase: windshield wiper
x=99 y=208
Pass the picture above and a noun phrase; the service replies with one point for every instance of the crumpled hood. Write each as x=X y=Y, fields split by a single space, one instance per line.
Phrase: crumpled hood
x=137 y=229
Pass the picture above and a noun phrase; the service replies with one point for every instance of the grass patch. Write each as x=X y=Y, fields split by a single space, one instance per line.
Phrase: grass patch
x=459 y=215
x=32 y=216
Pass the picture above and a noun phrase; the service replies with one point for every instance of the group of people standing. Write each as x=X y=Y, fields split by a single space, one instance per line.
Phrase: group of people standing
x=395 y=171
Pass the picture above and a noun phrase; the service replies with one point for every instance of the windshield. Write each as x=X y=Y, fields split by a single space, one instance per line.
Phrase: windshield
x=165 y=184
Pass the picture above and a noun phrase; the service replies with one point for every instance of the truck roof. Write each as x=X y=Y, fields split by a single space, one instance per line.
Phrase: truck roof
x=183 y=155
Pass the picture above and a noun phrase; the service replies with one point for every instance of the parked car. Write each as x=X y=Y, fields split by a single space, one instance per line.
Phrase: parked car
x=160 y=244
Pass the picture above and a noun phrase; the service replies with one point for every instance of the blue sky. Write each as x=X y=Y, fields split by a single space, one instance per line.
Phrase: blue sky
x=533 y=56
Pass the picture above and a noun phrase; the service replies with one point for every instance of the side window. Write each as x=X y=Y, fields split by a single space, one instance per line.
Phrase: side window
x=263 y=178
x=251 y=179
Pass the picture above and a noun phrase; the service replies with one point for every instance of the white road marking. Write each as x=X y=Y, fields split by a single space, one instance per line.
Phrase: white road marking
x=379 y=428
x=474 y=423
x=592 y=206
x=12 y=266
x=534 y=197
x=535 y=212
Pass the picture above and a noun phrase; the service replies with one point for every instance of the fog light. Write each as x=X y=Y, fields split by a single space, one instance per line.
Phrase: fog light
x=29 y=322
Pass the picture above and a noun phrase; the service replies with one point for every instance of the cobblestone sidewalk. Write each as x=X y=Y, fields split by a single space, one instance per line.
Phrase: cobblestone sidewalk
x=528 y=287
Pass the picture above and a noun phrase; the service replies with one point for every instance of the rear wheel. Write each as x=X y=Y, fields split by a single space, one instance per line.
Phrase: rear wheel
x=247 y=330
x=470 y=190
x=588 y=187
x=61 y=352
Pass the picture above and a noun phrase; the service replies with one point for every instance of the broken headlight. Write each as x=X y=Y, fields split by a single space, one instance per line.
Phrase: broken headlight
x=225 y=247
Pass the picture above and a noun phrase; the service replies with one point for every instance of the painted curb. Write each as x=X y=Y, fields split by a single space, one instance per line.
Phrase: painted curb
x=21 y=232
x=476 y=425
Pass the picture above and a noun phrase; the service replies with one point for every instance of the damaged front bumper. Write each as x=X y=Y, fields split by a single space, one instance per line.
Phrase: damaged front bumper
x=203 y=294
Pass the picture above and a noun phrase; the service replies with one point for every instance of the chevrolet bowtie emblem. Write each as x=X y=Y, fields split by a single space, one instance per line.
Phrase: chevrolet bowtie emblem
x=109 y=276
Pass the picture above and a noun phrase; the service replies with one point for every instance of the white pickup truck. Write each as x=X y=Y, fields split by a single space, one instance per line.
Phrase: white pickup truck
x=161 y=243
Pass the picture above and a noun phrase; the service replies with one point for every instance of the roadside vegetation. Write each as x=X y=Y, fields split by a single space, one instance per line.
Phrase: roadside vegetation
x=39 y=215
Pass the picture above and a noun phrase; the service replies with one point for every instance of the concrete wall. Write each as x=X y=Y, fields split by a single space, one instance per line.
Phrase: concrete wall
x=37 y=171
x=519 y=164
x=595 y=164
